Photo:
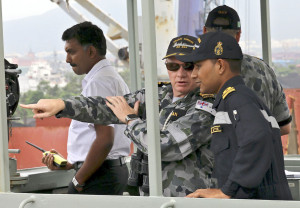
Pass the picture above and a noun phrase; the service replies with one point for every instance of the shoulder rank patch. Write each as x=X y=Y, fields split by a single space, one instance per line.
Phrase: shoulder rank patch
x=205 y=106
x=215 y=129
x=206 y=95
x=227 y=91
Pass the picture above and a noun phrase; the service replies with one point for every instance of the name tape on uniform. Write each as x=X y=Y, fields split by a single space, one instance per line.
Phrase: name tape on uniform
x=205 y=106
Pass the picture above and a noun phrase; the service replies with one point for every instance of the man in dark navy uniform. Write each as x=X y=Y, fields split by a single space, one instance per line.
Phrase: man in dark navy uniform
x=246 y=137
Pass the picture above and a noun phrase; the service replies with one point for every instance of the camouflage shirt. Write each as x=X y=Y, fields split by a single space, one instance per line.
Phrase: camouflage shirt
x=261 y=78
x=184 y=130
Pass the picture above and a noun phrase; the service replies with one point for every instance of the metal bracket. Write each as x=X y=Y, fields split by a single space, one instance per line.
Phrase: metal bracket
x=169 y=204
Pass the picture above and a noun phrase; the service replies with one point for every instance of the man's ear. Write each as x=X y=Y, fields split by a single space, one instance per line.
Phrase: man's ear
x=204 y=30
x=238 y=36
x=221 y=67
x=92 y=51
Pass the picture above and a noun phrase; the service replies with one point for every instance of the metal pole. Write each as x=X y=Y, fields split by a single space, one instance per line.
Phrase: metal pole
x=265 y=31
x=150 y=67
x=134 y=56
x=4 y=161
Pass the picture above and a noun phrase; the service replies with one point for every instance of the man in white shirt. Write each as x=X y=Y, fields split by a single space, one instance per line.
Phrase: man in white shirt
x=96 y=152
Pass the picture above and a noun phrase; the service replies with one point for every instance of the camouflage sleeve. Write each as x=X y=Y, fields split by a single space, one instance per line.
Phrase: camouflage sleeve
x=280 y=107
x=261 y=78
x=179 y=139
x=94 y=109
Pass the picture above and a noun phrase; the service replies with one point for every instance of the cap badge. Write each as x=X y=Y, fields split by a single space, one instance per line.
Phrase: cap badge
x=219 y=49
x=199 y=40
x=185 y=45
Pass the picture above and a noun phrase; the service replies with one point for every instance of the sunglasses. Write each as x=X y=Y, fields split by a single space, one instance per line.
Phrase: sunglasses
x=188 y=66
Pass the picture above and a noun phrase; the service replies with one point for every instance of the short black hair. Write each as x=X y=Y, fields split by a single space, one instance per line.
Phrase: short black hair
x=87 y=33
x=235 y=65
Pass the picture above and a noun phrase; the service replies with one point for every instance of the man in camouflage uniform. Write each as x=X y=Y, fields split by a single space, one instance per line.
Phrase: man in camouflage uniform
x=185 y=120
x=257 y=75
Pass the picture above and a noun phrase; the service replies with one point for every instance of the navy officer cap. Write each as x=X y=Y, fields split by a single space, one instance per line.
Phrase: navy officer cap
x=214 y=45
x=181 y=46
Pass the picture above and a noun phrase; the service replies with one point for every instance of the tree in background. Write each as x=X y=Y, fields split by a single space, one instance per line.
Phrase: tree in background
x=44 y=91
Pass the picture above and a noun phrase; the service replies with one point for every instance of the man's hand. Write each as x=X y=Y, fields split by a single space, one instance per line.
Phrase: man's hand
x=120 y=107
x=48 y=161
x=45 y=107
x=208 y=193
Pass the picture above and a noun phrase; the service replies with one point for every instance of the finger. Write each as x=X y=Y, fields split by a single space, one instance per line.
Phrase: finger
x=190 y=195
x=110 y=105
x=41 y=115
x=121 y=99
x=30 y=106
x=54 y=151
x=111 y=100
x=136 y=106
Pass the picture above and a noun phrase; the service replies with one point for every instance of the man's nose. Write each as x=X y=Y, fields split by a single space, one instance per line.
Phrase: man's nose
x=194 y=74
x=181 y=71
x=68 y=60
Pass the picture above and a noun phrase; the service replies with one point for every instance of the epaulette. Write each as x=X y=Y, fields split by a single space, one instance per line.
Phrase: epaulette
x=206 y=95
x=258 y=58
x=227 y=91
x=160 y=84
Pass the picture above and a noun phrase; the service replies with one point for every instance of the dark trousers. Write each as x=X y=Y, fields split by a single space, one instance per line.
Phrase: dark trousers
x=107 y=180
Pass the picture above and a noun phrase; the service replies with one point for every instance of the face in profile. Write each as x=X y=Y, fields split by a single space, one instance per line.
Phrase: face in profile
x=77 y=56
x=205 y=74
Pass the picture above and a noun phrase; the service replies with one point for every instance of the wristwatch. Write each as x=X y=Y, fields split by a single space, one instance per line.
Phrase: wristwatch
x=76 y=184
x=130 y=117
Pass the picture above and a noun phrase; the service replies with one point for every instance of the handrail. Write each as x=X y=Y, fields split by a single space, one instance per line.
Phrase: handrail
x=31 y=199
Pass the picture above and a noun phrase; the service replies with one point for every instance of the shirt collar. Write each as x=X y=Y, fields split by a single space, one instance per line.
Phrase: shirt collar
x=234 y=81
x=97 y=67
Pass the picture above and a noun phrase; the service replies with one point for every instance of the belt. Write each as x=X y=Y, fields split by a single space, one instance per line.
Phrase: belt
x=107 y=163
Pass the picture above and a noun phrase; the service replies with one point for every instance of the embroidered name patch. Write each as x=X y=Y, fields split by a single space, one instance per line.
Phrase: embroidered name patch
x=206 y=106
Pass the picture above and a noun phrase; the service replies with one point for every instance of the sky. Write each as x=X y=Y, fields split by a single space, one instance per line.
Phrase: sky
x=15 y=9
x=284 y=17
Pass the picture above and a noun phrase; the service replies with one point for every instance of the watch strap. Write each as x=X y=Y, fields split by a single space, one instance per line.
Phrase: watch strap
x=76 y=184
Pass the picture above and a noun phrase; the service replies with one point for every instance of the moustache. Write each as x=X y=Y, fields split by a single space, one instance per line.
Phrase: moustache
x=73 y=65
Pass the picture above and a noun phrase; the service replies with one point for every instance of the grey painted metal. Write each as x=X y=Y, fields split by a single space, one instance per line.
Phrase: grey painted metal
x=104 y=17
x=88 y=201
x=265 y=31
x=133 y=45
x=40 y=179
x=4 y=161
x=15 y=151
x=150 y=67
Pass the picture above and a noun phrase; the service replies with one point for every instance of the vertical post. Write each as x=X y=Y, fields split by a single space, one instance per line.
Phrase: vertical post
x=133 y=43
x=265 y=31
x=150 y=67
x=4 y=162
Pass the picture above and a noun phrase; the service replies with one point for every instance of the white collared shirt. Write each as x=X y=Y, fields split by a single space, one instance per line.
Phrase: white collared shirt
x=102 y=80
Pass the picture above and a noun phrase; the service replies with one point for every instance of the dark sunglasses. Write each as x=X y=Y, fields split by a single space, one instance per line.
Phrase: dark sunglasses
x=189 y=66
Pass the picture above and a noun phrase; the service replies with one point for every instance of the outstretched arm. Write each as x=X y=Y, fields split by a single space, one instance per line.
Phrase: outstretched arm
x=45 y=107
x=84 y=109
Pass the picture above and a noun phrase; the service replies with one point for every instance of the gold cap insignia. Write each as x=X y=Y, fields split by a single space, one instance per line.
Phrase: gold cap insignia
x=219 y=49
